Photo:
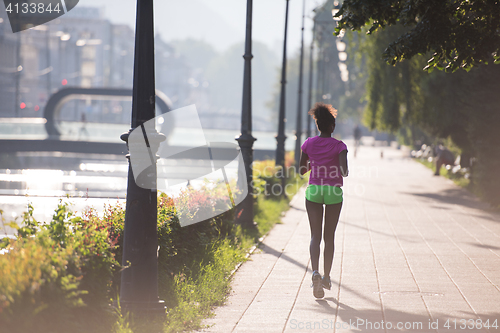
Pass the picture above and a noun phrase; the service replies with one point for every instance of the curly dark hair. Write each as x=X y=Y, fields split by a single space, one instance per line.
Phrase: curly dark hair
x=325 y=115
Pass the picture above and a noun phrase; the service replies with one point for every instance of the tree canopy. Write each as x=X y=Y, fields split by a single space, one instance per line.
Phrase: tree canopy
x=460 y=107
x=459 y=33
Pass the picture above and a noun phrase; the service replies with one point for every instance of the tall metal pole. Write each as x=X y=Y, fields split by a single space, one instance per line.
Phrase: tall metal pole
x=321 y=68
x=311 y=70
x=319 y=86
x=280 y=138
x=19 y=68
x=78 y=77
x=298 y=131
x=139 y=281
x=246 y=139
x=49 y=63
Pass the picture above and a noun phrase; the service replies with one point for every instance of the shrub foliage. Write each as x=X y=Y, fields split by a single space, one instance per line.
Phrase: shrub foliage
x=64 y=275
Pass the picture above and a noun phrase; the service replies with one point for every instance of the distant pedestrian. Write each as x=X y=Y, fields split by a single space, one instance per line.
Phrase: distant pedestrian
x=443 y=157
x=326 y=157
x=357 y=134
x=83 y=129
x=357 y=138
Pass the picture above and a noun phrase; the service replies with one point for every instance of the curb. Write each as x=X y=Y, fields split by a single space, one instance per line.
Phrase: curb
x=261 y=239
x=249 y=253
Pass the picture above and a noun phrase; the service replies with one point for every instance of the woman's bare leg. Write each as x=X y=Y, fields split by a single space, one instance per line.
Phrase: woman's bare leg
x=315 y=213
x=332 y=213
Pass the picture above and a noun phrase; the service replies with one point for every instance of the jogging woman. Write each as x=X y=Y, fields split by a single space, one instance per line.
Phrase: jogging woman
x=326 y=157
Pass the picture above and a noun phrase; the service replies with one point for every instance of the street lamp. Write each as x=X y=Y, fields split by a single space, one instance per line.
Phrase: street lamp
x=280 y=138
x=335 y=10
x=298 y=132
x=336 y=17
x=325 y=57
x=320 y=86
x=311 y=69
x=246 y=139
x=139 y=280
x=19 y=67
x=341 y=46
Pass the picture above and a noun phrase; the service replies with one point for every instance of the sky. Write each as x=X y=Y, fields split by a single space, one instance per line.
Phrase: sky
x=219 y=22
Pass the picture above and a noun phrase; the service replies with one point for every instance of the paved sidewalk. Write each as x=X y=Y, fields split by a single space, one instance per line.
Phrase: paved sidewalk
x=413 y=253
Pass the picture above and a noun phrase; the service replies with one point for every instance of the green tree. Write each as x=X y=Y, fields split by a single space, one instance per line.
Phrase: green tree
x=292 y=87
x=225 y=74
x=459 y=33
x=353 y=103
x=460 y=105
x=393 y=92
x=198 y=53
x=223 y=71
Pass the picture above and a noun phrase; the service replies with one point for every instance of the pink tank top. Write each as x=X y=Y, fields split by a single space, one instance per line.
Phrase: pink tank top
x=324 y=158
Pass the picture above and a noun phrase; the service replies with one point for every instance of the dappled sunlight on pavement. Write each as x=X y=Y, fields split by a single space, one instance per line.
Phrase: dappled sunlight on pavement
x=413 y=253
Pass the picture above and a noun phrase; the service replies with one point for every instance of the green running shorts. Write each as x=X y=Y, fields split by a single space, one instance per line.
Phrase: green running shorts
x=324 y=194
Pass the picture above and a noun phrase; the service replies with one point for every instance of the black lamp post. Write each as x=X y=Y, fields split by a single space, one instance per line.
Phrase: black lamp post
x=335 y=11
x=49 y=63
x=320 y=84
x=280 y=138
x=311 y=69
x=298 y=131
x=139 y=280
x=19 y=68
x=246 y=139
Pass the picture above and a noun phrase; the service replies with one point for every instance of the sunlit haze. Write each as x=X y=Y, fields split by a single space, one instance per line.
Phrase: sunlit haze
x=218 y=22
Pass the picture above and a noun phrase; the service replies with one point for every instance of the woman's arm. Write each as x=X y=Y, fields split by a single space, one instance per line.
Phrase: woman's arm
x=303 y=167
x=343 y=163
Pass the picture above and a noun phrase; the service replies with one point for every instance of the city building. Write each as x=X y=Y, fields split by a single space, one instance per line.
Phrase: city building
x=81 y=49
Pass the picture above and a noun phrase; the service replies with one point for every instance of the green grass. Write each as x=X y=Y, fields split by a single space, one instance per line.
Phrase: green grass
x=199 y=296
x=268 y=212
x=196 y=296
x=458 y=179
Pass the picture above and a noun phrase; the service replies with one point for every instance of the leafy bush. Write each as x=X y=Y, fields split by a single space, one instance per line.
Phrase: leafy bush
x=182 y=249
x=54 y=270
x=37 y=284
x=62 y=275
x=267 y=179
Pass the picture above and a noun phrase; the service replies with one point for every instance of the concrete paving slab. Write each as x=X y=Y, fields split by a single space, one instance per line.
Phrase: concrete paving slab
x=411 y=250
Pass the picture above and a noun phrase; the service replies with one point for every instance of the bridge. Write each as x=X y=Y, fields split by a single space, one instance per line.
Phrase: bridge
x=45 y=134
